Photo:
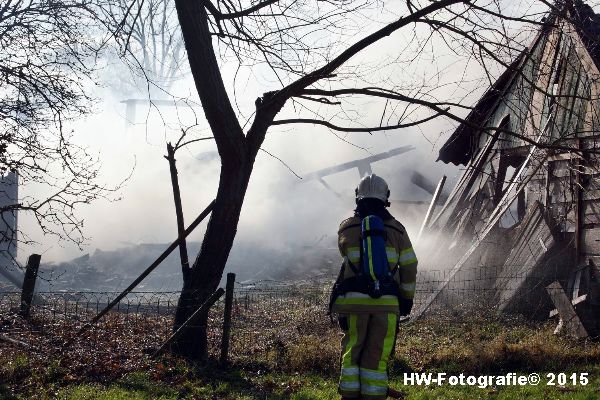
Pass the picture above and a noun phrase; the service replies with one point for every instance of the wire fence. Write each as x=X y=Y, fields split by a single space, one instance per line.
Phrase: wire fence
x=264 y=315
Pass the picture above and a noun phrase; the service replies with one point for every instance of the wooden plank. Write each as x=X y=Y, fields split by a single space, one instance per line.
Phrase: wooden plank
x=465 y=182
x=183 y=253
x=575 y=302
x=567 y=313
x=431 y=209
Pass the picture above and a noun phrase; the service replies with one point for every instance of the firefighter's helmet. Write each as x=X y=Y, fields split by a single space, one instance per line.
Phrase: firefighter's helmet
x=372 y=187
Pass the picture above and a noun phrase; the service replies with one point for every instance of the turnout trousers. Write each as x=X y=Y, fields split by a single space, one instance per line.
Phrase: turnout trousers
x=366 y=347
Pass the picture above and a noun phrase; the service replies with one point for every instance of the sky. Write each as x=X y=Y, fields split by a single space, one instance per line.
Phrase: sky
x=281 y=211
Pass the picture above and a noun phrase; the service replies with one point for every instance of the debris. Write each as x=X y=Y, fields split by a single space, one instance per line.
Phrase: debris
x=568 y=316
x=525 y=205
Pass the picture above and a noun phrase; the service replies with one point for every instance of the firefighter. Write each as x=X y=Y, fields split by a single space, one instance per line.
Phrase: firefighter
x=369 y=319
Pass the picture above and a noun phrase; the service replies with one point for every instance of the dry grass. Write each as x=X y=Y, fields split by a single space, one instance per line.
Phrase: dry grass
x=296 y=339
x=280 y=338
x=481 y=345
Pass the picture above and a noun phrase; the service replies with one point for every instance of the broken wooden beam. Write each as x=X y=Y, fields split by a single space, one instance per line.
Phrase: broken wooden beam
x=568 y=317
x=574 y=302
x=183 y=254
x=432 y=205
x=360 y=163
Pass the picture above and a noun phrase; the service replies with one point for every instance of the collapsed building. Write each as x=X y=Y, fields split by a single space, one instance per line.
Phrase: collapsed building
x=524 y=213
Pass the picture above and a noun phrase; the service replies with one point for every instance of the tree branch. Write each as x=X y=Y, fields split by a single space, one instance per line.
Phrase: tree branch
x=271 y=103
x=379 y=92
x=333 y=65
x=374 y=92
x=218 y=15
x=344 y=129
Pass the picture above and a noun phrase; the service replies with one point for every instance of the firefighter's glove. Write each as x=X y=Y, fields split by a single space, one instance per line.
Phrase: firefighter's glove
x=405 y=306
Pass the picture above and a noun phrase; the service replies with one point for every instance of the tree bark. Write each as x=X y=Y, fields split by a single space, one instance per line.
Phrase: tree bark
x=206 y=272
x=237 y=153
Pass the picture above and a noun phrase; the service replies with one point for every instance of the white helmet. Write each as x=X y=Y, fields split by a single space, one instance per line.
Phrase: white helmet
x=374 y=187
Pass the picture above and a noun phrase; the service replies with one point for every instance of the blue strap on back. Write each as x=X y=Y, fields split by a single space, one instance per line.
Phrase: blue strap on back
x=374 y=263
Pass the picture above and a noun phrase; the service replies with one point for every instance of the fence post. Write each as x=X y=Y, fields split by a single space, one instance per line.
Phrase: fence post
x=227 y=317
x=31 y=271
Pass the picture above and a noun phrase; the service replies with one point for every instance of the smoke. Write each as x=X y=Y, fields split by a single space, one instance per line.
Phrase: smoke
x=288 y=225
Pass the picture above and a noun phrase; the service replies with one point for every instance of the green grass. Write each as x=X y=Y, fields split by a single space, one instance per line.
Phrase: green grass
x=305 y=367
x=234 y=387
x=307 y=387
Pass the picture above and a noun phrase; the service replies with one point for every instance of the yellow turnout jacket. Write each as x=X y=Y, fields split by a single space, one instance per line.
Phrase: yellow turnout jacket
x=399 y=253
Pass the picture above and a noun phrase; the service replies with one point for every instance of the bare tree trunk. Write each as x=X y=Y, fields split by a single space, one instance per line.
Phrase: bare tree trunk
x=236 y=166
x=206 y=273
x=237 y=152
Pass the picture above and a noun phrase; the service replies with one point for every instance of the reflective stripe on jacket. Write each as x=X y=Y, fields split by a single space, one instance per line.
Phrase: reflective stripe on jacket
x=358 y=303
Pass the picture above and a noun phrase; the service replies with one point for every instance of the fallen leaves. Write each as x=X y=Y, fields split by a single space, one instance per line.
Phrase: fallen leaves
x=267 y=329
